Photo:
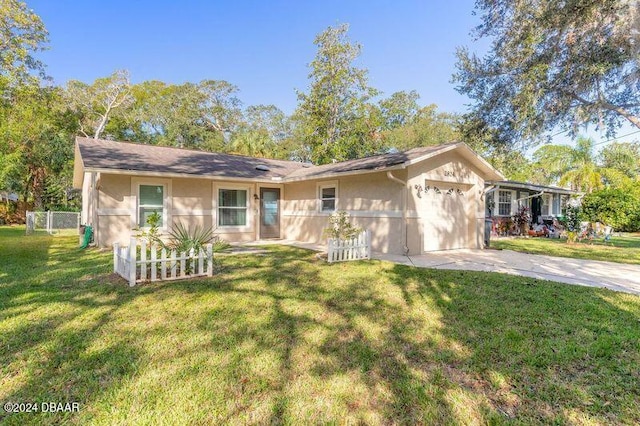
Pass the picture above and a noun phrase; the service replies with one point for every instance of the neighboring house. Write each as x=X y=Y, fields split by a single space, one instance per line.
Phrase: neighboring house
x=504 y=199
x=420 y=200
x=8 y=196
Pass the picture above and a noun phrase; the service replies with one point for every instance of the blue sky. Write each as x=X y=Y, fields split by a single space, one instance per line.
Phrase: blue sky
x=262 y=47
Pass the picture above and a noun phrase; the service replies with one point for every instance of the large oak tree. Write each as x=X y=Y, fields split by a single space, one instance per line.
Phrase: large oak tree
x=554 y=65
x=335 y=119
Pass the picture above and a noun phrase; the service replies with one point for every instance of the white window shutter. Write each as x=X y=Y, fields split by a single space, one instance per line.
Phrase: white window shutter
x=514 y=202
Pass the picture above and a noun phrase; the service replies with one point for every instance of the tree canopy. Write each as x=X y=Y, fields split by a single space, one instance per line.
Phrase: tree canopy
x=554 y=64
x=577 y=167
x=22 y=33
x=338 y=117
x=334 y=116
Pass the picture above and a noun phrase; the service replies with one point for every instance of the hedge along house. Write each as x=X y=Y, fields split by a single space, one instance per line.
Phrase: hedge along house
x=424 y=199
x=505 y=198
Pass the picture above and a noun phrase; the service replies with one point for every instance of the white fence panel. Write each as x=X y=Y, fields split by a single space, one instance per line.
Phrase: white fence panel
x=53 y=222
x=356 y=248
x=133 y=264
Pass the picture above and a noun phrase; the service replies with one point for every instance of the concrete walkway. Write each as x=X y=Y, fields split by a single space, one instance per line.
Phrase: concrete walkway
x=614 y=276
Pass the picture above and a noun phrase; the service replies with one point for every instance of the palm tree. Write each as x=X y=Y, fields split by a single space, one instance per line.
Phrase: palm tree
x=254 y=143
x=574 y=166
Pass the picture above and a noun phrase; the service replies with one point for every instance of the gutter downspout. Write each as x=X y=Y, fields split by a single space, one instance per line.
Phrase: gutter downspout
x=390 y=175
x=489 y=190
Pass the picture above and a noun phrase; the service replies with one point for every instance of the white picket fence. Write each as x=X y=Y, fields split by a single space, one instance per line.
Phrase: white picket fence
x=356 y=248
x=133 y=264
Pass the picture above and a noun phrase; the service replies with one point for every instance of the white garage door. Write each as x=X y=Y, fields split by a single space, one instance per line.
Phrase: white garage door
x=445 y=221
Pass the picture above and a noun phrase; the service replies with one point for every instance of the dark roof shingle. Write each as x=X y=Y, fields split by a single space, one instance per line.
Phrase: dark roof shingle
x=375 y=162
x=104 y=154
x=101 y=154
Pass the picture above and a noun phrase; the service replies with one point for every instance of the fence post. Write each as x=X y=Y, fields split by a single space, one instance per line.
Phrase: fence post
x=116 y=250
x=29 y=217
x=154 y=265
x=330 y=251
x=209 y=260
x=132 y=261
x=163 y=264
x=368 y=243
x=174 y=263
x=183 y=263
x=201 y=261
x=143 y=259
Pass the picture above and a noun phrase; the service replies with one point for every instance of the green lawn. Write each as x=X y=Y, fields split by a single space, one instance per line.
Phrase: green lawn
x=285 y=338
x=624 y=249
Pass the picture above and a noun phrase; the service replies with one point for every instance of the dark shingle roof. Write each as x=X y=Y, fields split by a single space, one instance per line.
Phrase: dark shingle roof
x=101 y=154
x=110 y=155
x=369 y=163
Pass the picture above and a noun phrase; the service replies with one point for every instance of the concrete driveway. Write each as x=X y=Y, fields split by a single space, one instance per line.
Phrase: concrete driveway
x=614 y=276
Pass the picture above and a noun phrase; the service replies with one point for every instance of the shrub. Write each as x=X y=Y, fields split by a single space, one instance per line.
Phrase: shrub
x=339 y=227
x=153 y=233
x=219 y=244
x=184 y=239
x=522 y=218
x=505 y=226
x=616 y=207
x=572 y=220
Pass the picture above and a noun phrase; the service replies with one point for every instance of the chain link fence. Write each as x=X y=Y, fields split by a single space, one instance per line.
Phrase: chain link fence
x=67 y=223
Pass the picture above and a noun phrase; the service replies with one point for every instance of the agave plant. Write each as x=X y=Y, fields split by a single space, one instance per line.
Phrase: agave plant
x=184 y=239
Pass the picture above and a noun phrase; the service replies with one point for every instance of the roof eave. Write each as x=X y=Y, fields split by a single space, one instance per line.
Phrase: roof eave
x=273 y=179
x=522 y=185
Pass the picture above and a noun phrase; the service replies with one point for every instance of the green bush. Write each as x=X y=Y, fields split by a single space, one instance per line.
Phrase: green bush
x=618 y=208
x=184 y=239
x=339 y=227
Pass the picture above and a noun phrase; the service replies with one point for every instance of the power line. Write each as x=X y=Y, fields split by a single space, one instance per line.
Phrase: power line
x=617 y=137
x=601 y=142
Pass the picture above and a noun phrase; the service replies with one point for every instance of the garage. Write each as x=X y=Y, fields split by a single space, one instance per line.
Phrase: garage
x=445 y=219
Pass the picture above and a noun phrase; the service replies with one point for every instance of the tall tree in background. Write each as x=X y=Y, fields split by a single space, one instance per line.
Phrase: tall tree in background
x=399 y=109
x=575 y=166
x=424 y=127
x=332 y=114
x=554 y=64
x=97 y=103
x=22 y=33
x=169 y=115
x=623 y=156
x=36 y=143
x=262 y=132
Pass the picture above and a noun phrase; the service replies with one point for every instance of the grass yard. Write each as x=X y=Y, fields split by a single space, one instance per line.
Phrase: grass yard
x=285 y=338
x=623 y=249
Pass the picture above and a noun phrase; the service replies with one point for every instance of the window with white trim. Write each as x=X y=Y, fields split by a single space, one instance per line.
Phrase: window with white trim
x=328 y=197
x=525 y=201
x=563 y=204
x=232 y=207
x=504 y=203
x=546 y=205
x=150 y=201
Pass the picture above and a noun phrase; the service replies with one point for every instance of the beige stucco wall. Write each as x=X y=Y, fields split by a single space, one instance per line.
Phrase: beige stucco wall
x=372 y=199
x=375 y=202
x=445 y=221
x=188 y=201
